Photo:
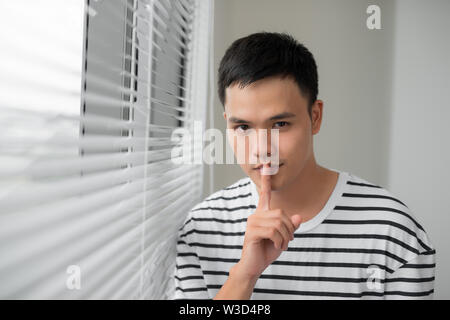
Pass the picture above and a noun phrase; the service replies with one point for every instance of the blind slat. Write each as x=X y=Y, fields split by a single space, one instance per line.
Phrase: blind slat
x=22 y=197
x=98 y=143
x=65 y=166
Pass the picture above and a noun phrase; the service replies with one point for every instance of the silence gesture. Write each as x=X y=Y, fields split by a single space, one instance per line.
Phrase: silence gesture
x=268 y=233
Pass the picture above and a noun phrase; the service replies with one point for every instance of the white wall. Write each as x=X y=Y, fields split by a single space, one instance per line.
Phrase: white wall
x=419 y=153
x=383 y=91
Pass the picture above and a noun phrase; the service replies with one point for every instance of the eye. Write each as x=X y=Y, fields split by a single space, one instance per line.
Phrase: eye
x=241 y=128
x=281 y=124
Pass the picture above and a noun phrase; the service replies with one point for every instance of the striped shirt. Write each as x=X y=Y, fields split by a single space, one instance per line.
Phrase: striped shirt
x=363 y=244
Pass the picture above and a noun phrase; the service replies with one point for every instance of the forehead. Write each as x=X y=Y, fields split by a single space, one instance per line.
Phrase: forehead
x=265 y=97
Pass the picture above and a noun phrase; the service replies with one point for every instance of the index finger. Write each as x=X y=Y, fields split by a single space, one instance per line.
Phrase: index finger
x=264 y=197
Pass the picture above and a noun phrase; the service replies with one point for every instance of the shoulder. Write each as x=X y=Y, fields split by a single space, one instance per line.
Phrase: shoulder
x=386 y=213
x=360 y=192
x=231 y=201
x=238 y=193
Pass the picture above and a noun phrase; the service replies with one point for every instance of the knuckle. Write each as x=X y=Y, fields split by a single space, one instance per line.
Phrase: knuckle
x=278 y=212
x=278 y=224
x=272 y=232
x=290 y=228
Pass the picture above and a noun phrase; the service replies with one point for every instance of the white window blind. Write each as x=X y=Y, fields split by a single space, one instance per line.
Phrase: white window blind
x=90 y=93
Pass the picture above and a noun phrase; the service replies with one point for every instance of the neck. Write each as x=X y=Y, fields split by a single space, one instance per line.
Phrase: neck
x=308 y=193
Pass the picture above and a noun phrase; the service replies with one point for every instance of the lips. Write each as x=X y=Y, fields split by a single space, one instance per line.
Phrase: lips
x=259 y=167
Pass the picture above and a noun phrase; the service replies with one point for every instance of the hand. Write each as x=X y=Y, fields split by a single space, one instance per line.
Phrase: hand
x=267 y=235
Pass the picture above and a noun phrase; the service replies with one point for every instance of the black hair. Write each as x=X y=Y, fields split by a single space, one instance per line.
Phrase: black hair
x=266 y=54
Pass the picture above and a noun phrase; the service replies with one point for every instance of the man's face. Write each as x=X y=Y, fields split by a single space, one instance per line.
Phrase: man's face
x=272 y=103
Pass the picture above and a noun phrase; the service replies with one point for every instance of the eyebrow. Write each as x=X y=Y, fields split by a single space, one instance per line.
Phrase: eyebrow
x=282 y=115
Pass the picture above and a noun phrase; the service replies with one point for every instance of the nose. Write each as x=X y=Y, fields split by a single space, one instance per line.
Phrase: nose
x=261 y=146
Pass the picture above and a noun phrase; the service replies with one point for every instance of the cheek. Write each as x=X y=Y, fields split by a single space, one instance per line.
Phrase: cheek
x=241 y=148
x=232 y=142
x=292 y=144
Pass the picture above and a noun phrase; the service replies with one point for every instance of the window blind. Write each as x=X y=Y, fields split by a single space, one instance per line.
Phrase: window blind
x=90 y=94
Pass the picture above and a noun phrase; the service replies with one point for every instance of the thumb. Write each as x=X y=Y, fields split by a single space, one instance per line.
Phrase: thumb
x=296 y=220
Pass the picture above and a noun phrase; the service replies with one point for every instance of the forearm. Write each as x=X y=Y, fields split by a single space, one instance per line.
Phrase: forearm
x=237 y=287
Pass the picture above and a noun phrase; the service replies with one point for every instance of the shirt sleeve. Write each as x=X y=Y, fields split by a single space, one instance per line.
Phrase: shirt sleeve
x=188 y=274
x=413 y=280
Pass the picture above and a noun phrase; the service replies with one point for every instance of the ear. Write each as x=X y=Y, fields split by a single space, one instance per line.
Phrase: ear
x=225 y=115
x=316 y=116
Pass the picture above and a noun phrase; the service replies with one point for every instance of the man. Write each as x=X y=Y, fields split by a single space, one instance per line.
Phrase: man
x=306 y=232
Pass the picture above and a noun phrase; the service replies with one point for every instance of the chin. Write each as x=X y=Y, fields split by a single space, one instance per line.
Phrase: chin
x=277 y=182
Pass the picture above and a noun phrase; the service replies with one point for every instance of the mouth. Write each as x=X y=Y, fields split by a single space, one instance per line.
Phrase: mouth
x=259 y=167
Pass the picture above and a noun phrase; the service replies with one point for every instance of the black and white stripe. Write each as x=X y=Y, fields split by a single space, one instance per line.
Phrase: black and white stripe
x=364 y=244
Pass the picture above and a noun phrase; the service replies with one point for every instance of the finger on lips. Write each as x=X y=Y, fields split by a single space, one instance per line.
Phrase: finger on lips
x=282 y=233
x=264 y=198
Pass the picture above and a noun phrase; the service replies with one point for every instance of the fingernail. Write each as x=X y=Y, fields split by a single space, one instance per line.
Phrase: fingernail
x=265 y=170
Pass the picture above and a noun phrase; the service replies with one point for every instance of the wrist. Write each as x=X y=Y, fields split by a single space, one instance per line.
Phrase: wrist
x=239 y=285
x=238 y=273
